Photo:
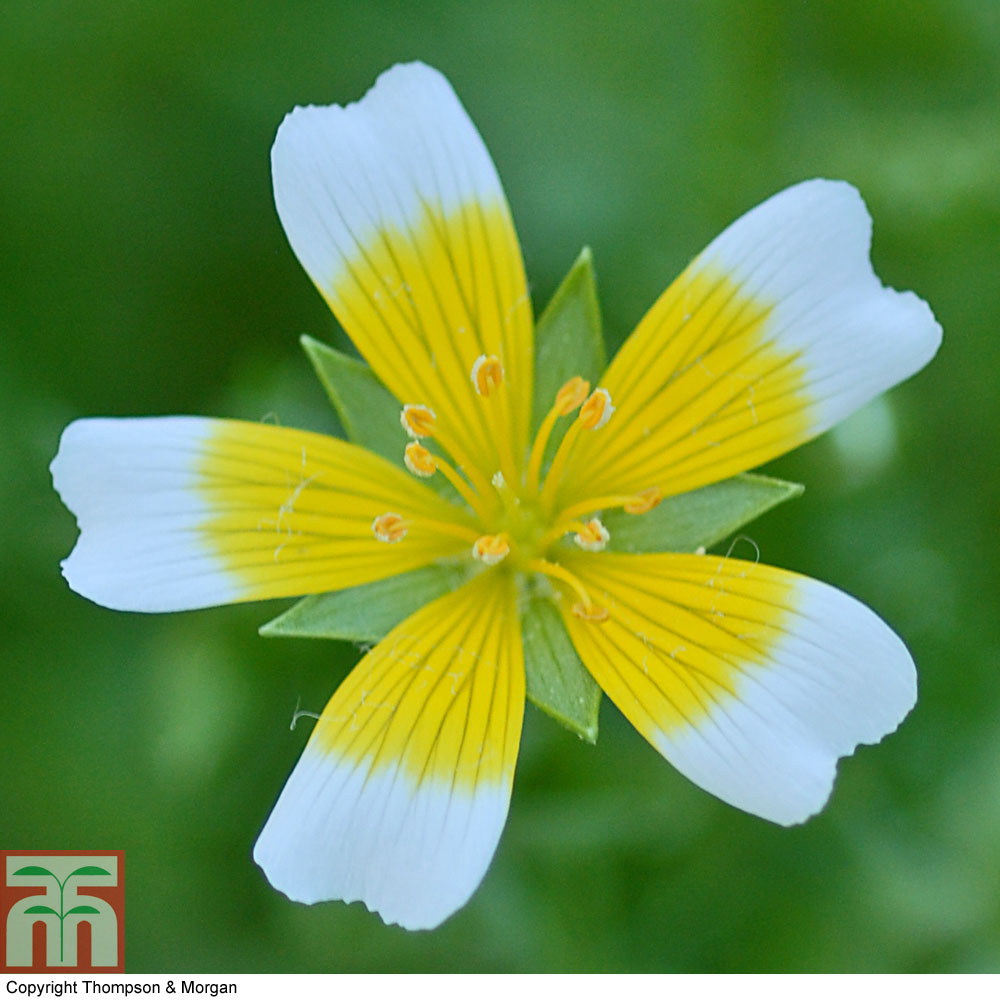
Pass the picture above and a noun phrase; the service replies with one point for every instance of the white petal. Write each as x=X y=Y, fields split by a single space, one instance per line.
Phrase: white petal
x=395 y=210
x=750 y=680
x=133 y=485
x=839 y=678
x=808 y=250
x=186 y=512
x=775 y=332
x=341 y=174
x=400 y=796
x=413 y=853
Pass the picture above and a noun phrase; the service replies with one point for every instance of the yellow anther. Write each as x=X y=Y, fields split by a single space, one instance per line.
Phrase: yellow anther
x=418 y=420
x=486 y=374
x=644 y=501
x=419 y=460
x=490 y=549
x=596 y=412
x=572 y=395
x=590 y=612
x=389 y=527
x=592 y=536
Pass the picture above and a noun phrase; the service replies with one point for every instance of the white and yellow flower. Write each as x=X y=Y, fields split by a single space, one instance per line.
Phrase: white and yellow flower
x=752 y=681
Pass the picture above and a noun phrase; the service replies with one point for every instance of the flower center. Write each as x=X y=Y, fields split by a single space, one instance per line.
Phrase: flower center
x=521 y=528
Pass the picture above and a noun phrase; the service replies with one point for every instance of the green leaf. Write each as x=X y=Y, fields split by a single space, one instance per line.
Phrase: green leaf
x=368 y=411
x=90 y=870
x=34 y=870
x=557 y=682
x=40 y=909
x=568 y=342
x=367 y=613
x=83 y=909
x=702 y=517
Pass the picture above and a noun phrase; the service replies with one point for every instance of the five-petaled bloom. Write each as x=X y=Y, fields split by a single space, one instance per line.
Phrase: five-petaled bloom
x=750 y=680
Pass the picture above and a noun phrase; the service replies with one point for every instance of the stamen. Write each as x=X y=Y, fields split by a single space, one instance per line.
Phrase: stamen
x=418 y=420
x=423 y=464
x=490 y=549
x=571 y=395
x=587 y=608
x=644 y=501
x=419 y=460
x=592 y=536
x=486 y=374
x=590 y=612
x=498 y=481
x=596 y=412
x=633 y=503
x=389 y=527
x=568 y=398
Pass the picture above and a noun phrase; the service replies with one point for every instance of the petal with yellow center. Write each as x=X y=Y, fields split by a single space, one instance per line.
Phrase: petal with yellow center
x=401 y=794
x=750 y=680
x=394 y=208
x=186 y=512
x=775 y=332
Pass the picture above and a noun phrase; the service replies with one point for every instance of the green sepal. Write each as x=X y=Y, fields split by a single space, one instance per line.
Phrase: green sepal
x=557 y=681
x=568 y=342
x=369 y=612
x=368 y=412
x=702 y=517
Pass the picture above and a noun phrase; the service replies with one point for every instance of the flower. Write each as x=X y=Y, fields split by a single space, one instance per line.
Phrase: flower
x=752 y=681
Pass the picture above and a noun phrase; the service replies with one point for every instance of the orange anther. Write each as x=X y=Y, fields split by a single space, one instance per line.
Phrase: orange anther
x=592 y=536
x=419 y=460
x=644 y=500
x=590 y=612
x=490 y=549
x=418 y=420
x=571 y=395
x=486 y=374
x=389 y=527
x=596 y=412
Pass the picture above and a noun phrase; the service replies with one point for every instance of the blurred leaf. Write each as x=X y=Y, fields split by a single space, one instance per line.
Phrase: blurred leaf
x=701 y=517
x=568 y=342
x=41 y=909
x=366 y=613
x=557 y=682
x=34 y=870
x=83 y=908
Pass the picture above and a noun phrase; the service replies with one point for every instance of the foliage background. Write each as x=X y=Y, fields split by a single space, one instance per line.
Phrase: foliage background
x=145 y=272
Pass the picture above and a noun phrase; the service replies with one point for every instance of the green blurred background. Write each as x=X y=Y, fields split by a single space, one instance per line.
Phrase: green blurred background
x=145 y=272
